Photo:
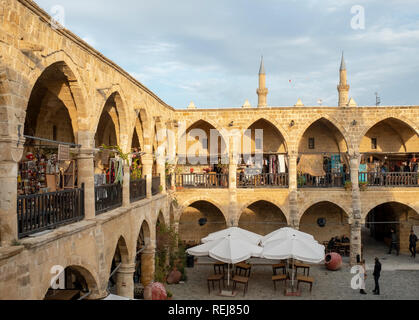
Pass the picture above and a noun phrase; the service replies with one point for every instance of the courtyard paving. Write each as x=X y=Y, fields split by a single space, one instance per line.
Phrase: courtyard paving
x=399 y=280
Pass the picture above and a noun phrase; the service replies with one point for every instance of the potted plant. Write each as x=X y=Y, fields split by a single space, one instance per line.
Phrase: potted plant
x=348 y=185
x=169 y=295
x=363 y=186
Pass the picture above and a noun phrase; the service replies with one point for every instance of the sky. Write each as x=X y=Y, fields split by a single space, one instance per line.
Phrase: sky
x=209 y=52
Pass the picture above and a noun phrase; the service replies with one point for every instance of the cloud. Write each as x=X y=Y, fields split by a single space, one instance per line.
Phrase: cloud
x=209 y=51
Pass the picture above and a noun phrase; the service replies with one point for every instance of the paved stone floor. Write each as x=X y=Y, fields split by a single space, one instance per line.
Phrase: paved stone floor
x=399 y=280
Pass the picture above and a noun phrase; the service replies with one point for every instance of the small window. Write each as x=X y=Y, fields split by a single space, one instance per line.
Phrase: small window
x=374 y=143
x=311 y=143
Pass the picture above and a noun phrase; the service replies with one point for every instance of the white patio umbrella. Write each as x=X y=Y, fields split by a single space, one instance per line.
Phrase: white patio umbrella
x=294 y=245
x=284 y=233
x=234 y=231
x=230 y=249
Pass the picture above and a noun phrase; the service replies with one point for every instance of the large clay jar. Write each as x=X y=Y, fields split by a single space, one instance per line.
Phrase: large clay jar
x=155 y=291
x=174 y=276
x=333 y=261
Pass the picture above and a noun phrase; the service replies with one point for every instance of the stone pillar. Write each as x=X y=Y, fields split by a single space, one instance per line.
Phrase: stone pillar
x=293 y=191
x=161 y=170
x=126 y=186
x=85 y=167
x=148 y=265
x=147 y=161
x=356 y=241
x=125 y=280
x=10 y=154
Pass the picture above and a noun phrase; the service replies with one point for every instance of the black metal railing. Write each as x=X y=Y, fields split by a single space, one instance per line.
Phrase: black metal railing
x=40 y=212
x=204 y=180
x=108 y=197
x=155 y=186
x=266 y=180
x=137 y=190
x=389 y=179
x=330 y=180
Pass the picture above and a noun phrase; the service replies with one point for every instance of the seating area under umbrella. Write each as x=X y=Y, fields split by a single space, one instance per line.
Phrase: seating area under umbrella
x=235 y=245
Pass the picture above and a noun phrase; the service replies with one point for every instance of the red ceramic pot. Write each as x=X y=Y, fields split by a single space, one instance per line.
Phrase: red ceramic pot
x=174 y=277
x=333 y=261
x=155 y=291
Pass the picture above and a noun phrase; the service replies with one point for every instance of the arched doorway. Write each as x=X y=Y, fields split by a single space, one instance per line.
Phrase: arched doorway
x=384 y=217
x=142 y=263
x=264 y=157
x=389 y=155
x=325 y=220
x=199 y=220
x=74 y=283
x=262 y=217
x=323 y=156
x=120 y=257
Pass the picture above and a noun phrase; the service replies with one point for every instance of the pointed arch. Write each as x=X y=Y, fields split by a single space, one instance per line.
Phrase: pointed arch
x=332 y=124
x=391 y=122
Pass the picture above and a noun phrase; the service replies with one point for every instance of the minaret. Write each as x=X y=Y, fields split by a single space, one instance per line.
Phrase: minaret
x=262 y=91
x=343 y=86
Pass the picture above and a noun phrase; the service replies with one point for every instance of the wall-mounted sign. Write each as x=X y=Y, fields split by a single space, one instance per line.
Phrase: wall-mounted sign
x=63 y=153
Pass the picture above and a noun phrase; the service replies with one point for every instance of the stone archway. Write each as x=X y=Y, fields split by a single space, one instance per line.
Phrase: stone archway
x=262 y=217
x=198 y=220
x=386 y=216
x=76 y=282
x=324 y=220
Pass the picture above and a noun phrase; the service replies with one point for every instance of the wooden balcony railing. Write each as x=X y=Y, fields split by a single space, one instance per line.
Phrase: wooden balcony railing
x=137 y=190
x=390 y=179
x=40 y=212
x=330 y=180
x=108 y=197
x=204 y=180
x=268 y=180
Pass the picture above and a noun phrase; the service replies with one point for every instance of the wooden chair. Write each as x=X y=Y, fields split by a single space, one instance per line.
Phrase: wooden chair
x=303 y=266
x=241 y=280
x=219 y=268
x=279 y=266
x=214 y=279
x=243 y=268
x=304 y=279
x=279 y=278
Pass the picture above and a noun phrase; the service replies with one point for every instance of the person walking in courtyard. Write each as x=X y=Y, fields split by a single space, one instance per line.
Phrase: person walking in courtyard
x=394 y=242
x=413 y=239
x=364 y=278
x=377 y=275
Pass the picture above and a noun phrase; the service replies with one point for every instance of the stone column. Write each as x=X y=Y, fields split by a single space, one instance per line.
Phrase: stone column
x=161 y=170
x=148 y=265
x=356 y=241
x=125 y=280
x=293 y=191
x=147 y=161
x=10 y=154
x=85 y=167
x=126 y=186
